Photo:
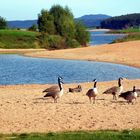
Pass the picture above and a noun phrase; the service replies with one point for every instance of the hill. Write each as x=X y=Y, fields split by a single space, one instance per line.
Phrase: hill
x=87 y=20
x=92 y=20
x=122 y=22
x=21 y=23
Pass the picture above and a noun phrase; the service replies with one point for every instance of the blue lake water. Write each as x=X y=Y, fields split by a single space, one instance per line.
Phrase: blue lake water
x=100 y=37
x=16 y=69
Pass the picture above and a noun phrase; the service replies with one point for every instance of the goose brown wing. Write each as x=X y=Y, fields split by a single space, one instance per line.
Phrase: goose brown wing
x=89 y=92
x=50 y=94
x=111 y=90
x=52 y=89
x=125 y=94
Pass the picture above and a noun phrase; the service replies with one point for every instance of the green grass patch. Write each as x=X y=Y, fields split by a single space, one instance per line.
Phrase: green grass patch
x=17 y=39
x=78 y=135
x=129 y=37
x=132 y=34
x=129 y=30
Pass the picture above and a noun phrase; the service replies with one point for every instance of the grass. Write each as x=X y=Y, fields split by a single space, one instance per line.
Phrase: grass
x=129 y=37
x=129 y=30
x=17 y=39
x=77 y=135
x=132 y=35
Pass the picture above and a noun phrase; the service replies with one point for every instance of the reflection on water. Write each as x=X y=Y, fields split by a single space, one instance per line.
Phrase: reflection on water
x=15 y=69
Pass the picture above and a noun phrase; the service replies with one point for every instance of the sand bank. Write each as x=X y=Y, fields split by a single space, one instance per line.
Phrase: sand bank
x=127 y=53
x=23 y=109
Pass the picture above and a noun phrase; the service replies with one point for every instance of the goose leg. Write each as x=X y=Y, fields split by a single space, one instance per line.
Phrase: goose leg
x=115 y=97
x=93 y=100
x=90 y=99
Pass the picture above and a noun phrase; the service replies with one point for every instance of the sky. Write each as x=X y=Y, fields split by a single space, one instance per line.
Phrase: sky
x=29 y=9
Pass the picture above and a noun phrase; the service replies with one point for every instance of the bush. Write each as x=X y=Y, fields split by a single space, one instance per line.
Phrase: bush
x=56 y=42
x=72 y=43
x=3 y=23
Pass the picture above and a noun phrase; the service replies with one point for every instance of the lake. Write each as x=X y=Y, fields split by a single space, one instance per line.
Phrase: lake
x=16 y=69
x=101 y=37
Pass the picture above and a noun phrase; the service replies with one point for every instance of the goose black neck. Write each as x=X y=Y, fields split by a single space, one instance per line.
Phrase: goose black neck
x=134 y=89
x=59 y=83
x=95 y=84
x=119 y=82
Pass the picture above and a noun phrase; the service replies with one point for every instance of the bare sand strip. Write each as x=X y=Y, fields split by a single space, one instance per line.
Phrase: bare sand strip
x=127 y=53
x=23 y=108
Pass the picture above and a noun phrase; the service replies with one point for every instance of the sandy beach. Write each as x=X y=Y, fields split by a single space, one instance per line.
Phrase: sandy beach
x=127 y=53
x=23 y=108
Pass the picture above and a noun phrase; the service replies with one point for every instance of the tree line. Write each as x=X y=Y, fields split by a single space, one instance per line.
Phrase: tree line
x=122 y=22
x=58 y=29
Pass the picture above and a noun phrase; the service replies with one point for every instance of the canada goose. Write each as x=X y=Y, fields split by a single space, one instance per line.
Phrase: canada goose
x=55 y=91
x=76 y=89
x=92 y=93
x=115 y=90
x=129 y=95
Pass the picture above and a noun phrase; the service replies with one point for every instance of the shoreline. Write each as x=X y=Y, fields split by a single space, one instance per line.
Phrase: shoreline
x=110 y=53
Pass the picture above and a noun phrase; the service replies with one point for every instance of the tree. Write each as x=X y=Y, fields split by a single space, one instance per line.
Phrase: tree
x=33 y=28
x=121 y=22
x=58 y=29
x=82 y=36
x=3 y=23
x=63 y=21
x=46 y=22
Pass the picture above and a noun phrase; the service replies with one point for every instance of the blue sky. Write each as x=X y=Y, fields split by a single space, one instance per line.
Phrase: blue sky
x=29 y=9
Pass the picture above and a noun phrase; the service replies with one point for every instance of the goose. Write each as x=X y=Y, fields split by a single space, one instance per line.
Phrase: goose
x=92 y=93
x=115 y=90
x=129 y=95
x=76 y=89
x=55 y=91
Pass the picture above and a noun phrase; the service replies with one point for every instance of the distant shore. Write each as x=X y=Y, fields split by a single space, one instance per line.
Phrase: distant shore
x=106 y=30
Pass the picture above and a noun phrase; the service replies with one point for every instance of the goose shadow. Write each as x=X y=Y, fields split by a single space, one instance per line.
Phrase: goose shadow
x=42 y=100
x=75 y=103
x=120 y=102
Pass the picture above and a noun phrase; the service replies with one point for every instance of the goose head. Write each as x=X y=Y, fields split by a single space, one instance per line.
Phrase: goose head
x=95 y=80
x=60 y=80
x=134 y=89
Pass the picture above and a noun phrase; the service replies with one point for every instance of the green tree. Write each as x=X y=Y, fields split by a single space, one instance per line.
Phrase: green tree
x=81 y=35
x=63 y=21
x=46 y=22
x=3 y=23
x=58 y=29
x=33 y=28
